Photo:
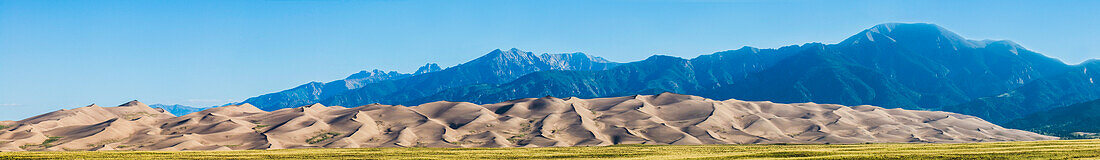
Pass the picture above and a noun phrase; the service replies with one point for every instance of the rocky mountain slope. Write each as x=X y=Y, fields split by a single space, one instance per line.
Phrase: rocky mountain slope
x=912 y=66
x=653 y=75
x=313 y=92
x=906 y=65
x=1073 y=86
x=532 y=122
x=916 y=66
x=498 y=66
x=1080 y=120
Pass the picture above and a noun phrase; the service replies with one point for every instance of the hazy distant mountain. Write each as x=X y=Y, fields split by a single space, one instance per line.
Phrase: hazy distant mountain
x=498 y=66
x=1080 y=120
x=915 y=66
x=313 y=92
x=1075 y=85
x=178 y=110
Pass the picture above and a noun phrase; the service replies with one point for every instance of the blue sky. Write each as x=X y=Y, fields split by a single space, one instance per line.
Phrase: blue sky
x=67 y=54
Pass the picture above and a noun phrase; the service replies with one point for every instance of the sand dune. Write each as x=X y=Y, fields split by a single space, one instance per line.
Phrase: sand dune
x=533 y=122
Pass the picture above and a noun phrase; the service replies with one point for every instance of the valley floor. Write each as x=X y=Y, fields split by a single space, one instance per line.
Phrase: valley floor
x=1058 y=149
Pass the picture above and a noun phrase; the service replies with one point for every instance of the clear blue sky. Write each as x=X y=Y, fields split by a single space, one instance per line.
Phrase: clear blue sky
x=67 y=54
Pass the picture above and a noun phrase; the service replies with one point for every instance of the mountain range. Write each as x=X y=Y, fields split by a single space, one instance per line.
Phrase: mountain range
x=498 y=66
x=313 y=92
x=177 y=109
x=904 y=65
x=915 y=66
x=891 y=83
x=666 y=118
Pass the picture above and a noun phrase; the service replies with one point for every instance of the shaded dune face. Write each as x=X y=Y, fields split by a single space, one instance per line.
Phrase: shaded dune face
x=532 y=122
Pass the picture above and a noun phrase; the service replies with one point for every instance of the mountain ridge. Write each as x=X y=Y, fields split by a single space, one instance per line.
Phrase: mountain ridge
x=921 y=66
x=907 y=65
x=430 y=67
x=313 y=92
x=498 y=66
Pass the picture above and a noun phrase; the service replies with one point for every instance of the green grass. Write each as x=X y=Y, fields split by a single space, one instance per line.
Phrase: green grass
x=1062 y=149
x=322 y=137
x=45 y=144
x=259 y=128
x=51 y=139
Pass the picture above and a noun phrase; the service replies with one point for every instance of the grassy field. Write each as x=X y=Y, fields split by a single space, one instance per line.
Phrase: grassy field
x=1062 y=149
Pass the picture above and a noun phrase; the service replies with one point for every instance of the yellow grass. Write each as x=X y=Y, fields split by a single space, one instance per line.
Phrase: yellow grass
x=1061 y=149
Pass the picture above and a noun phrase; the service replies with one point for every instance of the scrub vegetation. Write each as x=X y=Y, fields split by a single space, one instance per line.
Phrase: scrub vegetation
x=1058 y=149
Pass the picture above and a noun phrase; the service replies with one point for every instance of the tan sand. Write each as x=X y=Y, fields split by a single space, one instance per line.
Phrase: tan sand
x=532 y=122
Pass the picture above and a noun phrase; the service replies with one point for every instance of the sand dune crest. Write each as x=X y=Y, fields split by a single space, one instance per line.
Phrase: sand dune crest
x=532 y=122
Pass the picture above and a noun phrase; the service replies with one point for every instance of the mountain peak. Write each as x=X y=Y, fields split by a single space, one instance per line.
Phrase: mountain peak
x=906 y=28
x=908 y=33
x=575 y=56
x=372 y=73
x=660 y=58
x=750 y=49
x=428 y=68
x=508 y=55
